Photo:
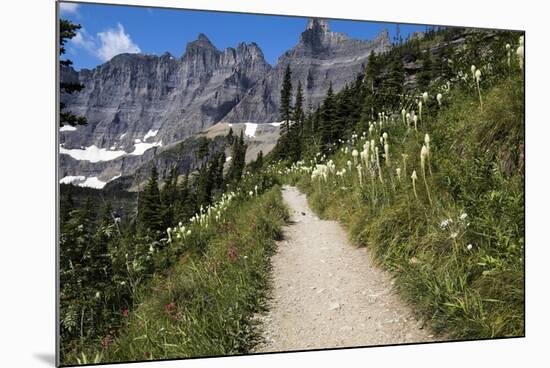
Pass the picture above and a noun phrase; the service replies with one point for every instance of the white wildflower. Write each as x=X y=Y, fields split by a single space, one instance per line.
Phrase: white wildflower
x=425 y=96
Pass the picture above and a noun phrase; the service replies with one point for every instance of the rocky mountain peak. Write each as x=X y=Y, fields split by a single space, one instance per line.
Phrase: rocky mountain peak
x=318 y=25
x=317 y=36
x=199 y=46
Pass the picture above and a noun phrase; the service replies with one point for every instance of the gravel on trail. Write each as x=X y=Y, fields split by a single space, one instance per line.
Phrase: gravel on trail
x=327 y=293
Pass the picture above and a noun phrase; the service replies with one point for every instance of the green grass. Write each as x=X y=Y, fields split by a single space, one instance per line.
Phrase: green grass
x=203 y=306
x=478 y=170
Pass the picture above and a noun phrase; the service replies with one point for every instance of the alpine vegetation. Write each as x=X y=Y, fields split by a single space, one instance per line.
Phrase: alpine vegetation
x=414 y=150
x=455 y=244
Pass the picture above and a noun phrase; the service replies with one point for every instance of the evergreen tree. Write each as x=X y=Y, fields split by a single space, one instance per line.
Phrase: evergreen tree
x=230 y=137
x=169 y=195
x=285 y=112
x=342 y=113
x=185 y=204
x=151 y=214
x=67 y=30
x=425 y=75
x=218 y=175
x=238 y=154
x=328 y=115
x=296 y=129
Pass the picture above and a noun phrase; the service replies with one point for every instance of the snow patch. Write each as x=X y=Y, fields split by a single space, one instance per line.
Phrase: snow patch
x=92 y=154
x=69 y=179
x=91 y=182
x=150 y=133
x=140 y=148
x=122 y=136
x=67 y=128
x=250 y=129
x=230 y=125
x=279 y=123
x=137 y=140
x=228 y=158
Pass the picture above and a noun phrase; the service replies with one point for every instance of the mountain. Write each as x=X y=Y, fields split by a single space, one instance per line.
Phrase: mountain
x=139 y=105
x=320 y=57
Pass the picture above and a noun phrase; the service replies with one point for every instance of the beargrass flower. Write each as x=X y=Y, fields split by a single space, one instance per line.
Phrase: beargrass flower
x=469 y=246
x=414 y=177
x=508 y=55
x=520 y=53
x=439 y=98
x=420 y=109
x=377 y=157
x=398 y=171
x=354 y=154
x=423 y=157
x=415 y=119
x=404 y=156
x=478 y=79
x=387 y=153
x=425 y=96
x=403 y=115
x=349 y=165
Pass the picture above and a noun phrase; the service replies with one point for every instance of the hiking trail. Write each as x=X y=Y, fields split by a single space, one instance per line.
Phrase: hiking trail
x=327 y=293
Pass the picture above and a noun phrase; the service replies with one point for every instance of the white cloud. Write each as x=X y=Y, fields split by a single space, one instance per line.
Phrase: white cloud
x=106 y=44
x=68 y=8
x=114 y=42
x=84 y=40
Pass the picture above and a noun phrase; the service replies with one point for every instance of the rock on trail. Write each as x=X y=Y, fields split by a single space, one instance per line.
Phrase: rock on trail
x=326 y=293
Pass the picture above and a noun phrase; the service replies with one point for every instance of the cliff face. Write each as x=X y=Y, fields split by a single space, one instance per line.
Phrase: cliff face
x=137 y=105
x=134 y=94
x=320 y=57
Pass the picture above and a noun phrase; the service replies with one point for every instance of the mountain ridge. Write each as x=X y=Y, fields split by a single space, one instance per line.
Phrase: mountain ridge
x=137 y=103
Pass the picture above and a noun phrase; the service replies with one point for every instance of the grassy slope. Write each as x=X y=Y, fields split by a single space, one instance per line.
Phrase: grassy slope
x=478 y=170
x=204 y=307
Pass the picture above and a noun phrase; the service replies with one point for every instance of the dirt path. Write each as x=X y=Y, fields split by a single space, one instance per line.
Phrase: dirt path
x=327 y=293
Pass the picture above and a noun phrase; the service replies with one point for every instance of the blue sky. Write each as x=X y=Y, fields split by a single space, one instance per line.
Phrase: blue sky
x=108 y=30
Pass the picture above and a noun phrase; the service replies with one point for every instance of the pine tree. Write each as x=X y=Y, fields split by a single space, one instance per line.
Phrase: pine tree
x=286 y=112
x=296 y=129
x=425 y=75
x=218 y=175
x=328 y=115
x=342 y=113
x=67 y=30
x=151 y=214
x=230 y=137
x=185 y=204
x=238 y=154
x=259 y=160
x=169 y=195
